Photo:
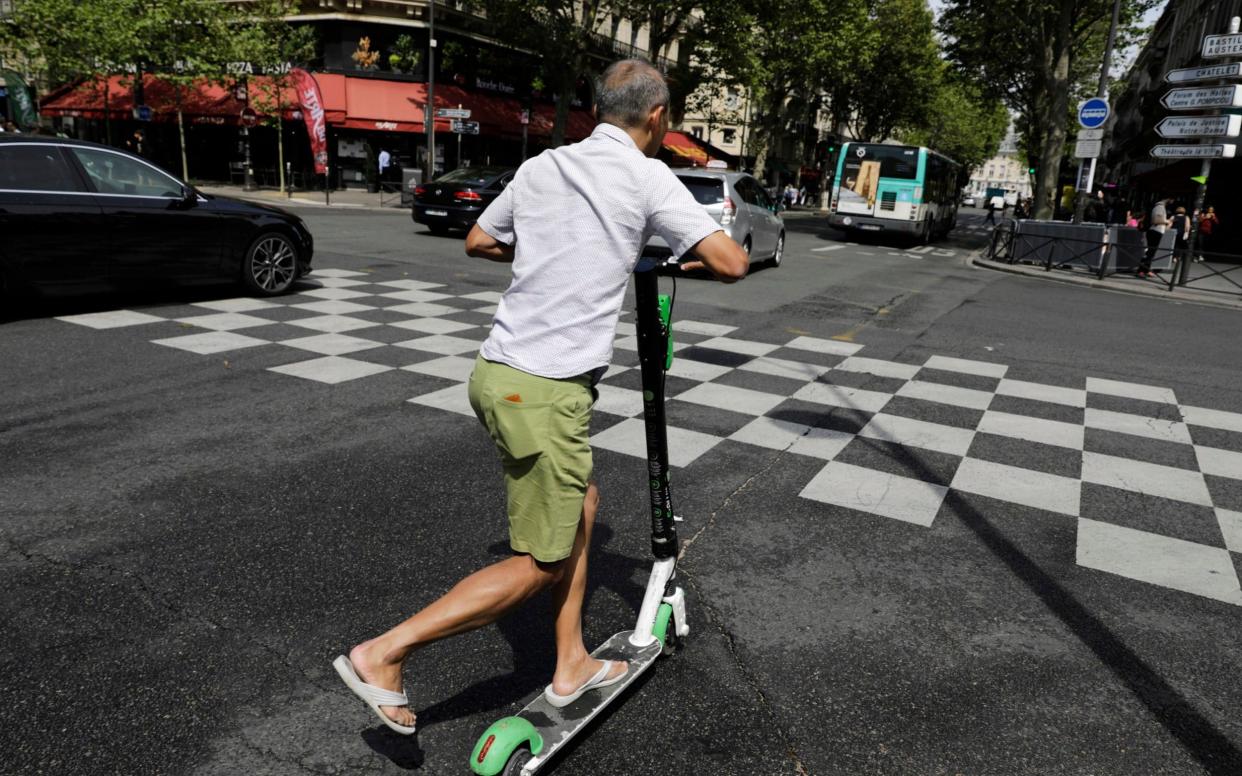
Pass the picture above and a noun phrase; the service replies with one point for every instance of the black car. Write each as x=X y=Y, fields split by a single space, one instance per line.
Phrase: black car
x=76 y=215
x=454 y=201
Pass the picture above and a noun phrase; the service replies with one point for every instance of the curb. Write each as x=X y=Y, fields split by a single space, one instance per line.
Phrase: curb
x=301 y=201
x=1162 y=293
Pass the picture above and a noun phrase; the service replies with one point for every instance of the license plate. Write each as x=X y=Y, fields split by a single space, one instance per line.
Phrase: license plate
x=437 y=212
x=869 y=228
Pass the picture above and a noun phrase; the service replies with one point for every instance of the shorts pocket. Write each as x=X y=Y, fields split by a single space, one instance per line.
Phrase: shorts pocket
x=520 y=429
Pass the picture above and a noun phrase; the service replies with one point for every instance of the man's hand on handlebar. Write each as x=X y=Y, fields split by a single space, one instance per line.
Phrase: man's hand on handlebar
x=719 y=255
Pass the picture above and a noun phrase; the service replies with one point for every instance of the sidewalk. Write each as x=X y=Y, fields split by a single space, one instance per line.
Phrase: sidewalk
x=1125 y=284
x=347 y=198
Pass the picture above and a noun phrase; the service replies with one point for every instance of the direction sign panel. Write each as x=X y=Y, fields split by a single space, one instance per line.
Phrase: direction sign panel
x=1218 y=151
x=1216 y=46
x=465 y=127
x=1210 y=73
x=1201 y=97
x=1091 y=134
x=1087 y=149
x=1093 y=113
x=1200 y=126
x=452 y=113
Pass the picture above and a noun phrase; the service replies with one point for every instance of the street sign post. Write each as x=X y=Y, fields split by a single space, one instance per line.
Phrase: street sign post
x=142 y=113
x=1203 y=97
x=1088 y=149
x=452 y=113
x=1216 y=46
x=1093 y=113
x=1214 y=151
x=465 y=127
x=249 y=118
x=1210 y=73
x=1091 y=134
x=1200 y=126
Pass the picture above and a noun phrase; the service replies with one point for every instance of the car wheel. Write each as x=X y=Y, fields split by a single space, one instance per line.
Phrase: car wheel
x=779 y=254
x=746 y=246
x=271 y=265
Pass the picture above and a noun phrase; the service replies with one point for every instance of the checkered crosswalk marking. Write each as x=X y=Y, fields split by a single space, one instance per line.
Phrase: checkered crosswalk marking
x=1154 y=487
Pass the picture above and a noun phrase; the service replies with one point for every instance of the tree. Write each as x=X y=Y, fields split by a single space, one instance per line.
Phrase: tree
x=960 y=122
x=561 y=33
x=893 y=72
x=1036 y=55
x=274 y=46
x=58 y=41
x=798 y=46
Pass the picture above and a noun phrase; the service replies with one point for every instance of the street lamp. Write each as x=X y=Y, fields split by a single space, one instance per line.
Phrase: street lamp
x=430 y=113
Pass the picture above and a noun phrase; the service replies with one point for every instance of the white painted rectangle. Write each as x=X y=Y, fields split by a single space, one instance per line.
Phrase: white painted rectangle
x=1018 y=486
x=1087 y=149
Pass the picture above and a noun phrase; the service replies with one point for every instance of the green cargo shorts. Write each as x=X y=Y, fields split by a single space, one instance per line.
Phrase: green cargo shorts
x=541 y=428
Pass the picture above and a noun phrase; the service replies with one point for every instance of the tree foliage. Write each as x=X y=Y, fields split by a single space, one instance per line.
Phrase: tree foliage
x=893 y=74
x=1037 y=56
x=959 y=122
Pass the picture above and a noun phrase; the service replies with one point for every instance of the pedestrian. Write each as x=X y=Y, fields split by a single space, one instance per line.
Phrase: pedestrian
x=1131 y=219
x=533 y=383
x=385 y=159
x=995 y=202
x=11 y=127
x=802 y=195
x=1180 y=224
x=1208 y=223
x=1156 y=227
x=137 y=142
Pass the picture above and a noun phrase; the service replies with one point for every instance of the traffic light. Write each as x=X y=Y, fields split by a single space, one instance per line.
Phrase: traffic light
x=1030 y=170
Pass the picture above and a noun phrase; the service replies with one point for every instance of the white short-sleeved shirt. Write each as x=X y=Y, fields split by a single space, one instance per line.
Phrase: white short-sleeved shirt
x=577 y=217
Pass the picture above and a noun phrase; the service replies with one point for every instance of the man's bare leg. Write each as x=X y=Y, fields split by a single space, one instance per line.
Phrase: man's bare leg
x=479 y=599
x=574 y=665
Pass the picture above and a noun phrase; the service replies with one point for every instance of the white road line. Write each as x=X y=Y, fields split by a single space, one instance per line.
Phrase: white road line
x=827 y=248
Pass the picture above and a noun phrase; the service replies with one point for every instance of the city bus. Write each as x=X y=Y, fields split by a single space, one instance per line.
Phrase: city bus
x=904 y=190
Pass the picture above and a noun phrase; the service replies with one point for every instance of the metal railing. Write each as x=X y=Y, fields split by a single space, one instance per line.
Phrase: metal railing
x=1104 y=251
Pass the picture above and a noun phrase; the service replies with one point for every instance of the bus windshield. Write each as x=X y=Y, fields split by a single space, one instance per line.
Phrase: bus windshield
x=895 y=161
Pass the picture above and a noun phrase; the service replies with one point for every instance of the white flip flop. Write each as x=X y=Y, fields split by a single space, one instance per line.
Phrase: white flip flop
x=371 y=695
x=595 y=682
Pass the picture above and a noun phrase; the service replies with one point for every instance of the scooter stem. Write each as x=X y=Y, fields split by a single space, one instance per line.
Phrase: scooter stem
x=653 y=343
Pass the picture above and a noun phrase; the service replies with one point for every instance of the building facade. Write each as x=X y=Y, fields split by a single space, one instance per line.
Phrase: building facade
x=1006 y=170
x=1176 y=41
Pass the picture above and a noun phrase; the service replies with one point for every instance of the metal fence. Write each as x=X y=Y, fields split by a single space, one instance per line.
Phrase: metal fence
x=1102 y=250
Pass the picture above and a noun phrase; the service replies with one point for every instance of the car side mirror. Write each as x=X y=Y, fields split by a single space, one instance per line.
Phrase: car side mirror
x=189 y=197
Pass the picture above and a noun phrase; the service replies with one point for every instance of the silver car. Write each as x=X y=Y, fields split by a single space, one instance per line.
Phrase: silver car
x=741 y=207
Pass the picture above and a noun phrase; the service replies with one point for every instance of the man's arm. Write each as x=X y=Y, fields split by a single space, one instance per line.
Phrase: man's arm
x=721 y=256
x=482 y=245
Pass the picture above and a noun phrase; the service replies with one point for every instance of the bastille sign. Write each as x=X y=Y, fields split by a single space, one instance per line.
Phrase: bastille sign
x=1216 y=46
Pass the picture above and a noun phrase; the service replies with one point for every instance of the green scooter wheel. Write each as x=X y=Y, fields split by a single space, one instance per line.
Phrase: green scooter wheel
x=663 y=626
x=516 y=760
x=508 y=741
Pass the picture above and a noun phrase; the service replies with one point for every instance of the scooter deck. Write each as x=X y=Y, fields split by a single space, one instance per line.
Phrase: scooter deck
x=558 y=726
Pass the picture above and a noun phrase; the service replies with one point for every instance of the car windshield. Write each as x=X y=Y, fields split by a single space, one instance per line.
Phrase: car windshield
x=707 y=191
x=473 y=176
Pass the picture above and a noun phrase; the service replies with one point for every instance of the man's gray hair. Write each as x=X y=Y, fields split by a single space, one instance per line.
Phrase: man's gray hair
x=628 y=91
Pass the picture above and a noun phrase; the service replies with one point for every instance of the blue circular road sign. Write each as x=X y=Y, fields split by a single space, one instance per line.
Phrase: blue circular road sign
x=1093 y=112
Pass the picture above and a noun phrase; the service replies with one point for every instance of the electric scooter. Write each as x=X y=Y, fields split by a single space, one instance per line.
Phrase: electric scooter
x=524 y=743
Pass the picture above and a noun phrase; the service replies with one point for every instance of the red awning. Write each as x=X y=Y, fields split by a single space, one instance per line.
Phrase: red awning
x=685 y=150
x=349 y=102
x=202 y=103
x=397 y=106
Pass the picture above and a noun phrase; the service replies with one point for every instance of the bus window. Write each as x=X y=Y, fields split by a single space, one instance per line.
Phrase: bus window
x=900 y=162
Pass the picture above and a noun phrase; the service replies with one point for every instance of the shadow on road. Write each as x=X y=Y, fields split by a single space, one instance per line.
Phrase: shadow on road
x=1214 y=751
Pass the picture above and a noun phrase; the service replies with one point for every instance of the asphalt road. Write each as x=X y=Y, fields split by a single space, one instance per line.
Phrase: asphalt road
x=937 y=521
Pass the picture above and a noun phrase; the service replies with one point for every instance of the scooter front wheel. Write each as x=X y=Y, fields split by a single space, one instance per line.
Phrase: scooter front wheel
x=516 y=762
